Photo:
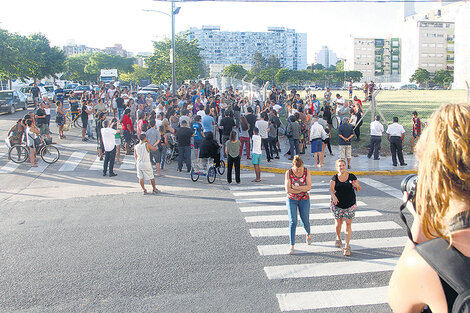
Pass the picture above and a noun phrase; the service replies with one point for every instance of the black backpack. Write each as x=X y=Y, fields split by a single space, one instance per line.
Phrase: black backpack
x=452 y=266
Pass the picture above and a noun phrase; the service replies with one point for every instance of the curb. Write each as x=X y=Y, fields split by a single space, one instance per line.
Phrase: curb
x=330 y=173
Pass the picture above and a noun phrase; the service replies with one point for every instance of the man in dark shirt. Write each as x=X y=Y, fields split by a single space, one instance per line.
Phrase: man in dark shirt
x=183 y=137
x=35 y=93
x=346 y=133
x=41 y=121
x=73 y=100
x=251 y=119
x=227 y=124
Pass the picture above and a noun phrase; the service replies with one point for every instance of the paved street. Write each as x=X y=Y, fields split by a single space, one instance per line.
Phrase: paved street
x=75 y=241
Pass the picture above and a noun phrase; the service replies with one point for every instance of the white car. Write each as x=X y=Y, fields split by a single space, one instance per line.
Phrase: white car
x=50 y=92
x=27 y=91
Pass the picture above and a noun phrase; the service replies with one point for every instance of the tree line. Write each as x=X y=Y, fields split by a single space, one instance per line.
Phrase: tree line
x=442 y=77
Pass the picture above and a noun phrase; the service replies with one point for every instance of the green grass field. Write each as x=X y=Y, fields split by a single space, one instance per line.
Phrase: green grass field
x=399 y=103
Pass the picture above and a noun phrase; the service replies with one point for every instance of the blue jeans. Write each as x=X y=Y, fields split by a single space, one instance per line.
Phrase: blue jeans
x=184 y=153
x=120 y=112
x=304 y=212
x=163 y=157
x=89 y=128
x=294 y=146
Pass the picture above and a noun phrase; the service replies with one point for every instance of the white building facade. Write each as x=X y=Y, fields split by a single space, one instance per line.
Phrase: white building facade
x=224 y=47
x=326 y=57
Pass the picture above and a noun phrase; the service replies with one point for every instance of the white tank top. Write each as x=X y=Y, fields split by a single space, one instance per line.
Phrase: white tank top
x=143 y=157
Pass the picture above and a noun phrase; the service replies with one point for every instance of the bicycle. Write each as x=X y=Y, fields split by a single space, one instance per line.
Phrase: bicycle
x=19 y=153
x=76 y=121
x=204 y=167
x=134 y=140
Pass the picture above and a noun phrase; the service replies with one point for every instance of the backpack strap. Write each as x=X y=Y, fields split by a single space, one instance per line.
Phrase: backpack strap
x=448 y=262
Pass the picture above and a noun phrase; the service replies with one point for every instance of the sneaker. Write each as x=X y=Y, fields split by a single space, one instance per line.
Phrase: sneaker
x=276 y=157
x=291 y=251
x=404 y=164
x=112 y=174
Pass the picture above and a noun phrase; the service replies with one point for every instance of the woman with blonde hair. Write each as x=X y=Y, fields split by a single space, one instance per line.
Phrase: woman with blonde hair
x=343 y=202
x=298 y=183
x=441 y=210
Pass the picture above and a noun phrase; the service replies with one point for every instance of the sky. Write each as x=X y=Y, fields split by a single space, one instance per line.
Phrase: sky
x=102 y=23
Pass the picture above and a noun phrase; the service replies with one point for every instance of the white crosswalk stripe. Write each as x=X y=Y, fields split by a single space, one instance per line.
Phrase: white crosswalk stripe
x=323 y=229
x=252 y=175
x=317 y=216
x=39 y=169
x=282 y=207
x=9 y=167
x=73 y=161
x=97 y=165
x=128 y=163
x=262 y=206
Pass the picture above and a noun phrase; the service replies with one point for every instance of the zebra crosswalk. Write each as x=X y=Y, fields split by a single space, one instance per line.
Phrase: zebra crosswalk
x=374 y=252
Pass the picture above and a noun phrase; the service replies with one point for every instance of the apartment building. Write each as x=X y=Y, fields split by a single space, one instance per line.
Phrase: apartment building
x=71 y=49
x=326 y=57
x=225 y=47
x=378 y=59
x=436 y=45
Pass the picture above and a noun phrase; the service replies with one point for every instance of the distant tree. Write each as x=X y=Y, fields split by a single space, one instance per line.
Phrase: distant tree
x=14 y=62
x=354 y=76
x=137 y=74
x=318 y=66
x=75 y=68
x=443 y=77
x=101 y=60
x=283 y=75
x=273 y=62
x=259 y=63
x=421 y=76
x=189 y=63
x=340 y=65
x=235 y=70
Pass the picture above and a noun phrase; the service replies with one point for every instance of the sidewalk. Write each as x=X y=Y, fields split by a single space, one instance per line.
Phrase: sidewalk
x=360 y=164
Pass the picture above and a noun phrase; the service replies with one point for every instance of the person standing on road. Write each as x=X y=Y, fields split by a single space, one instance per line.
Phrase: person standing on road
x=263 y=125
x=41 y=121
x=256 y=154
x=99 y=138
x=232 y=149
x=343 y=202
x=293 y=133
x=376 y=130
x=251 y=119
x=142 y=161
x=183 y=137
x=297 y=183
x=317 y=135
x=128 y=129
x=395 y=135
x=31 y=135
x=109 y=144
x=198 y=133
x=36 y=95
x=227 y=124
x=154 y=138
x=244 y=137
x=47 y=109
x=345 y=134
x=416 y=130
x=90 y=110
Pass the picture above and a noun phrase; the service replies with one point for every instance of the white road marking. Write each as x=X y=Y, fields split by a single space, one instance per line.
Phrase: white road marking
x=240 y=188
x=253 y=175
x=10 y=167
x=329 y=246
x=330 y=269
x=73 y=161
x=273 y=192
x=128 y=163
x=97 y=165
x=317 y=216
x=278 y=199
x=394 y=192
x=41 y=167
x=331 y=298
x=323 y=229
x=282 y=207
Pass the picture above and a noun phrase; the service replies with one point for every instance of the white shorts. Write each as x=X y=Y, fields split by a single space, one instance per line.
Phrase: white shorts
x=346 y=152
x=145 y=174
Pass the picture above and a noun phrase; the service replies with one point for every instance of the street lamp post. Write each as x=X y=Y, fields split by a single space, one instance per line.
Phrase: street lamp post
x=174 y=11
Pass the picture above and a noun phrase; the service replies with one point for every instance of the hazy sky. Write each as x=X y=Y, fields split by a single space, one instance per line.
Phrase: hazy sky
x=102 y=23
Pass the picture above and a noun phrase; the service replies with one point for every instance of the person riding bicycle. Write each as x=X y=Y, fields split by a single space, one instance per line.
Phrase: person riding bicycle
x=210 y=148
x=15 y=134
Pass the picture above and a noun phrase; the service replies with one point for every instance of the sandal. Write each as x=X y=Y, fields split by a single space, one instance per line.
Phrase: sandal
x=145 y=192
x=347 y=251
x=156 y=191
x=308 y=240
x=291 y=251
x=255 y=181
x=338 y=244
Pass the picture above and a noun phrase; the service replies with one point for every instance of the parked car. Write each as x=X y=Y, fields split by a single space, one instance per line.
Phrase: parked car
x=409 y=87
x=80 y=90
x=10 y=100
x=26 y=90
x=50 y=92
x=68 y=88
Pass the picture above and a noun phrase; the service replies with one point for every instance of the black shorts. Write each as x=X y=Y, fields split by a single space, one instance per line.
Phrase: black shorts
x=127 y=135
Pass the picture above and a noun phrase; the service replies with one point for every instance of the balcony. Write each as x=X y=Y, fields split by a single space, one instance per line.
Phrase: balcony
x=395 y=51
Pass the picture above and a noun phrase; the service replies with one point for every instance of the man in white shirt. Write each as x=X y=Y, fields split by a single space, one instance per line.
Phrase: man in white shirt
x=317 y=135
x=396 y=134
x=263 y=126
x=339 y=101
x=143 y=164
x=376 y=131
x=109 y=144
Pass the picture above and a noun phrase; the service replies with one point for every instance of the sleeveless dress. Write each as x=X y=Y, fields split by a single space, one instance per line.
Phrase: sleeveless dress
x=344 y=191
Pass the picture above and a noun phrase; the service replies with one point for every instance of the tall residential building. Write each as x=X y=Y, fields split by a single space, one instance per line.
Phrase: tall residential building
x=438 y=39
x=378 y=59
x=71 y=49
x=326 y=57
x=117 y=50
x=224 y=47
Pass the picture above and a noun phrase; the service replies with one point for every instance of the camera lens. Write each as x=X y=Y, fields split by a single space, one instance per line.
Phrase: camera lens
x=408 y=184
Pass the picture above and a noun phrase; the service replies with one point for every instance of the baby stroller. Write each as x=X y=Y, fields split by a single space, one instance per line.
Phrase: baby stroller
x=172 y=151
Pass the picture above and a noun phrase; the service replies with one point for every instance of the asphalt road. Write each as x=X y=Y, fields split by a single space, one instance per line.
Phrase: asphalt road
x=75 y=241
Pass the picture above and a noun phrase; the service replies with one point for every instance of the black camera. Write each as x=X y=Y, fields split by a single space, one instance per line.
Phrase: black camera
x=408 y=184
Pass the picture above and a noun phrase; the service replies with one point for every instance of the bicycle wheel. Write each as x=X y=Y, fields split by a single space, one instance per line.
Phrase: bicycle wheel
x=18 y=153
x=194 y=175
x=211 y=174
x=221 y=168
x=169 y=156
x=50 y=154
x=335 y=122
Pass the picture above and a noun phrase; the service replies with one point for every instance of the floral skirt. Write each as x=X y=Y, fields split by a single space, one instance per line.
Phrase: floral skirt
x=347 y=213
